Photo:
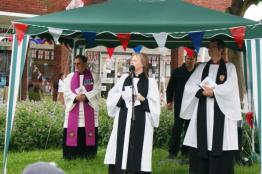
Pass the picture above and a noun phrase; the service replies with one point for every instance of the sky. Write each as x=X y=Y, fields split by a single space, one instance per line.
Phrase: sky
x=254 y=12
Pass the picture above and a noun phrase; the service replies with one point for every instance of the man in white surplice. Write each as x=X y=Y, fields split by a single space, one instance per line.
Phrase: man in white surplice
x=214 y=112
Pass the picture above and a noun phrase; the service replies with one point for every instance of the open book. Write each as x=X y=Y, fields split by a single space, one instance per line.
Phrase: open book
x=208 y=82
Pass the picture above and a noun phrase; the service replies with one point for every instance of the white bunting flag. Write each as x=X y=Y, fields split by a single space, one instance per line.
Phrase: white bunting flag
x=56 y=33
x=160 y=38
x=75 y=4
x=161 y=42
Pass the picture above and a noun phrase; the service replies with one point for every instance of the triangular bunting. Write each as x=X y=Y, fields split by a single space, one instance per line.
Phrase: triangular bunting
x=196 y=38
x=75 y=4
x=110 y=51
x=56 y=33
x=160 y=38
x=20 y=30
x=124 y=39
x=189 y=52
x=90 y=38
x=238 y=34
x=161 y=41
x=138 y=48
x=249 y=119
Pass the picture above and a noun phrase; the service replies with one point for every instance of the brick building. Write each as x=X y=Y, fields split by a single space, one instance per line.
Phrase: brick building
x=57 y=60
x=11 y=10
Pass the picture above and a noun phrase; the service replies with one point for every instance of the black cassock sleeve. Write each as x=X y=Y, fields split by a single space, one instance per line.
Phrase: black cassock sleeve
x=170 y=88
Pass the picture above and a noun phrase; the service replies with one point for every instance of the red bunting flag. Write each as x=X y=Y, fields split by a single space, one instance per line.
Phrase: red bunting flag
x=249 y=119
x=189 y=52
x=124 y=39
x=238 y=34
x=110 y=51
x=20 y=30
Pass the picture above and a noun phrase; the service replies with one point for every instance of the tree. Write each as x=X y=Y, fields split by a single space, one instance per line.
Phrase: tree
x=239 y=7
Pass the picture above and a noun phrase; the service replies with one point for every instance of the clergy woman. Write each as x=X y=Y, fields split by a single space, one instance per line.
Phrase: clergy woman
x=130 y=146
x=214 y=111
x=82 y=93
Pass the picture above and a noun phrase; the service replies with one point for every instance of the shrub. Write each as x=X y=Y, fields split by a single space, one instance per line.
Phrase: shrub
x=39 y=125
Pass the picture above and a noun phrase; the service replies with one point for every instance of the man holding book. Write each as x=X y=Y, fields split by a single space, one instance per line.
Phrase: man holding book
x=213 y=111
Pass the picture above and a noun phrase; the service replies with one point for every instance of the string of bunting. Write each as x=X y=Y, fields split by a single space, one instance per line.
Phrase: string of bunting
x=237 y=33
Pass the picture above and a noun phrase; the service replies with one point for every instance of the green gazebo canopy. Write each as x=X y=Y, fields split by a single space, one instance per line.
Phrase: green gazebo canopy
x=141 y=18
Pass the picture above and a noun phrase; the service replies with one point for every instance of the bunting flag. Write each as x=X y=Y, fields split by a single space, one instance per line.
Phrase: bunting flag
x=189 y=52
x=238 y=33
x=20 y=30
x=160 y=38
x=138 y=48
x=161 y=41
x=16 y=69
x=90 y=38
x=124 y=39
x=253 y=57
x=75 y=4
x=196 y=38
x=249 y=119
x=56 y=33
x=110 y=51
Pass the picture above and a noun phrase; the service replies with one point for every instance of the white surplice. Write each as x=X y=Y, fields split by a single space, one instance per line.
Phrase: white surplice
x=151 y=121
x=227 y=96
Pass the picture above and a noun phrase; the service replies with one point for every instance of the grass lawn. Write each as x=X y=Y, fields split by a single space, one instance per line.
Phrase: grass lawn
x=17 y=162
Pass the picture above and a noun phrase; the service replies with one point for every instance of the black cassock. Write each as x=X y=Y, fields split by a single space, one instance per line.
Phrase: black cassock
x=130 y=144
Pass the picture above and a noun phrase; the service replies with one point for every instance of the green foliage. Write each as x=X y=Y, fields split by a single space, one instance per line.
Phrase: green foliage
x=105 y=125
x=39 y=125
x=163 y=132
x=247 y=142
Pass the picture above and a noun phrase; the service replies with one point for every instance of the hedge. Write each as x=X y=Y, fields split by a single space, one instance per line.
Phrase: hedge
x=39 y=125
